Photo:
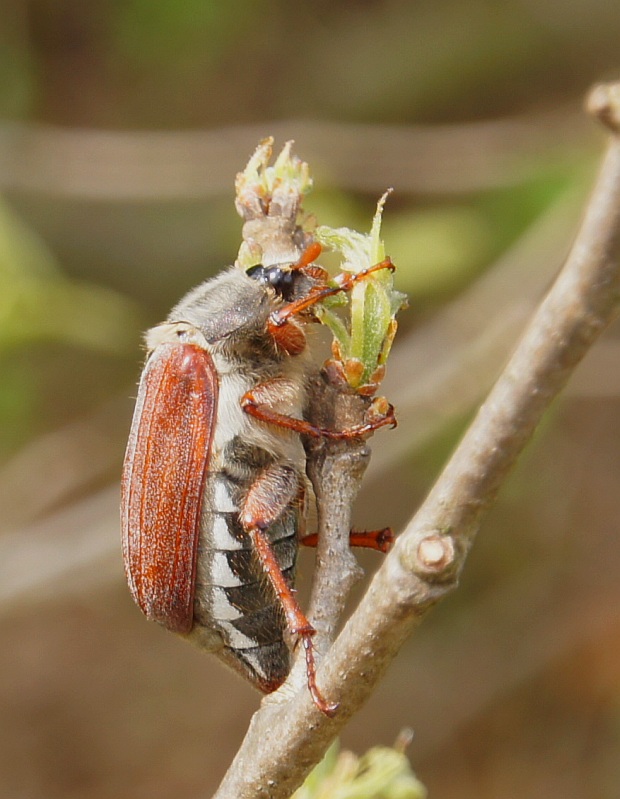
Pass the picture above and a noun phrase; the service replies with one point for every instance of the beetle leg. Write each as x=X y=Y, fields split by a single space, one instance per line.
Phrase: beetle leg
x=308 y=256
x=259 y=402
x=287 y=336
x=379 y=540
x=269 y=495
x=316 y=273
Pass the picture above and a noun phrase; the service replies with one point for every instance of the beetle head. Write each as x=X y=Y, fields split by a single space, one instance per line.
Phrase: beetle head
x=280 y=278
x=289 y=281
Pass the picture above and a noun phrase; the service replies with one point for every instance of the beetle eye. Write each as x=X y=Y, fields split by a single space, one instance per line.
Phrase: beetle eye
x=274 y=276
x=257 y=272
x=280 y=280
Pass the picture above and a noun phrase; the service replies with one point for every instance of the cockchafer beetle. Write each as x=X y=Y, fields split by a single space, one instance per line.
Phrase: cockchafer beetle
x=214 y=482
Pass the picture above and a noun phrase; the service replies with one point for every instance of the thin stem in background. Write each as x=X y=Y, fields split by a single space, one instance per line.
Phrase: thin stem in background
x=103 y=164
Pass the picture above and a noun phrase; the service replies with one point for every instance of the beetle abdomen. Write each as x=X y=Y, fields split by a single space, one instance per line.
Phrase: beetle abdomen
x=233 y=598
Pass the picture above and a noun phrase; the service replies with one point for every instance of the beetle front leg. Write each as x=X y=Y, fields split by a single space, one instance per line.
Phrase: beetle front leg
x=343 y=282
x=269 y=495
x=259 y=402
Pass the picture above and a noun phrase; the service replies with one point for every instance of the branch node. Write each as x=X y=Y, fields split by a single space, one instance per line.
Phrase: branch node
x=432 y=557
x=603 y=103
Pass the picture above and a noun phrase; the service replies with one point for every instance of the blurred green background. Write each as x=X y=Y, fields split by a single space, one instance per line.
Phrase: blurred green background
x=122 y=125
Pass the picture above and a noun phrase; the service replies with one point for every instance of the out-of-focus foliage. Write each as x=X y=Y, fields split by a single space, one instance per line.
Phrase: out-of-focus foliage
x=172 y=35
x=382 y=773
x=39 y=303
x=442 y=248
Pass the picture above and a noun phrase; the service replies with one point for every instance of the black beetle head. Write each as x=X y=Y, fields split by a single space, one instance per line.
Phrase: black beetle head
x=281 y=279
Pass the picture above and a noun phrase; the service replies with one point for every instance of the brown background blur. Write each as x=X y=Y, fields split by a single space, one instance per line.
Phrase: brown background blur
x=122 y=125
